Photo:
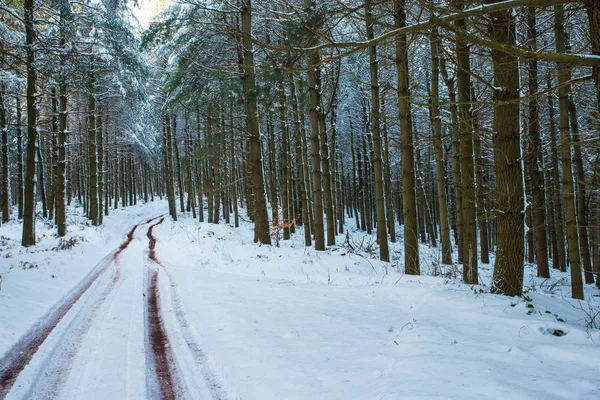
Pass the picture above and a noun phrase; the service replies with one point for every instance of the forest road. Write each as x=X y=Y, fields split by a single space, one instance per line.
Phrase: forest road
x=118 y=334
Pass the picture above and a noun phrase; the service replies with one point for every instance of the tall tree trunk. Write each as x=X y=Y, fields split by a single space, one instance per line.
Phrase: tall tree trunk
x=52 y=153
x=582 y=221
x=199 y=174
x=534 y=158
x=455 y=135
x=41 y=175
x=234 y=171
x=326 y=174
x=261 y=218
x=387 y=176
x=93 y=167
x=508 y=266
x=28 y=238
x=409 y=202
x=568 y=194
x=100 y=126
x=354 y=189
x=178 y=159
x=4 y=198
x=168 y=167
x=384 y=252
x=285 y=163
x=189 y=166
x=272 y=170
x=481 y=206
x=216 y=168
x=559 y=258
x=302 y=184
x=312 y=59
x=19 y=154
x=469 y=217
x=437 y=145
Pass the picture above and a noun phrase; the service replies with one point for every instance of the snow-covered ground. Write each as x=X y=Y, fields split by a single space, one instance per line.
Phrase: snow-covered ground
x=246 y=321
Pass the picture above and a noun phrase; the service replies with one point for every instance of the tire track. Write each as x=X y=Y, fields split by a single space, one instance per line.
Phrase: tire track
x=213 y=386
x=19 y=356
x=163 y=364
x=164 y=377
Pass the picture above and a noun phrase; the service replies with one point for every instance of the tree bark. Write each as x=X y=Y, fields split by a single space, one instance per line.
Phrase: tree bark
x=455 y=135
x=437 y=145
x=286 y=200
x=325 y=167
x=568 y=193
x=559 y=256
x=261 y=219
x=508 y=266
x=19 y=155
x=100 y=169
x=467 y=184
x=92 y=160
x=409 y=202
x=28 y=238
x=534 y=158
x=302 y=184
x=384 y=252
x=582 y=222
x=314 y=102
x=4 y=197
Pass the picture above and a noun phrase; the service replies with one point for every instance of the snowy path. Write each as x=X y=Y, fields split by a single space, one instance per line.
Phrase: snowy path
x=108 y=336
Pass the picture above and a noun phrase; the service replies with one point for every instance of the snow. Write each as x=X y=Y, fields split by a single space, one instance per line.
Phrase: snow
x=249 y=321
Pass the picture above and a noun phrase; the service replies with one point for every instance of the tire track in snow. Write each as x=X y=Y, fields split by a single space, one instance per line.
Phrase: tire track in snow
x=19 y=356
x=212 y=386
x=163 y=379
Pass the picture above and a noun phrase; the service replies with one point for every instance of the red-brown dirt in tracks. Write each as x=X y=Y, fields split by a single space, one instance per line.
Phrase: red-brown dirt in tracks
x=216 y=387
x=18 y=358
x=159 y=342
x=152 y=244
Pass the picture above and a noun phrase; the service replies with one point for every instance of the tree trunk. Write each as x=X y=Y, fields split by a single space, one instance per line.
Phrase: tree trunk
x=568 y=194
x=387 y=176
x=534 y=158
x=384 y=252
x=409 y=202
x=582 y=222
x=286 y=201
x=312 y=59
x=4 y=198
x=559 y=257
x=168 y=167
x=455 y=132
x=302 y=184
x=326 y=174
x=178 y=159
x=100 y=170
x=508 y=266
x=93 y=167
x=216 y=168
x=272 y=170
x=19 y=155
x=467 y=183
x=437 y=145
x=28 y=238
x=261 y=219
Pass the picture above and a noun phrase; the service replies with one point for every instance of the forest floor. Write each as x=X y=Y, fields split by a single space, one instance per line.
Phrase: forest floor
x=144 y=307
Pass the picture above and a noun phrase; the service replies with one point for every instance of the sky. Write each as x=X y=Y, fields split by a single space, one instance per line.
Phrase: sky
x=147 y=9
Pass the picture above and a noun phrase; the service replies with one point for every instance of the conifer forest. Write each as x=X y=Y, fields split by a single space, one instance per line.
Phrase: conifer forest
x=241 y=171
